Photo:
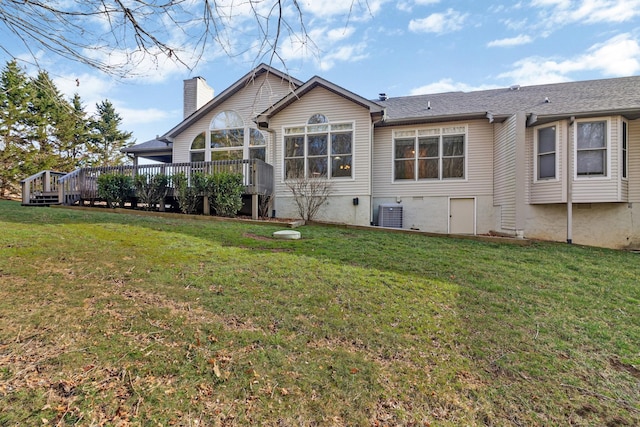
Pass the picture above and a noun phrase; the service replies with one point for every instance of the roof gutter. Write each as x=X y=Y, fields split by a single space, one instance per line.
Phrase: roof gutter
x=535 y=119
x=444 y=118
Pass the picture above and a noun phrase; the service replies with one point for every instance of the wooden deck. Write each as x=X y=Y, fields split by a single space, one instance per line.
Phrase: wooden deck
x=50 y=187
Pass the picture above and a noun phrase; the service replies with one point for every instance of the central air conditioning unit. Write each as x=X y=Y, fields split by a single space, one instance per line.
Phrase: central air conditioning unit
x=390 y=216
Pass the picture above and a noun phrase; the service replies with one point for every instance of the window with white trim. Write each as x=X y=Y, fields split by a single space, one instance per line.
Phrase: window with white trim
x=591 y=148
x=546 y=146
x=437 y=153
x=230 y=139
x=319 y=149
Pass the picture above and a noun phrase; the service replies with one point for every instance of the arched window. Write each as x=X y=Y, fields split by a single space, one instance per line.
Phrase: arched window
x=231 y=139
x=198 y=148
x=319 y=149
x=317 y=119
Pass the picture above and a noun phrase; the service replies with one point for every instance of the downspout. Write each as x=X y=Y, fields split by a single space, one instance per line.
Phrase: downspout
x=371 y=136
x=569 y=185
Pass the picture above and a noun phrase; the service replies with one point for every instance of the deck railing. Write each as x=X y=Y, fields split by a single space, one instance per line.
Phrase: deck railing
x=42 y=186
x=82 y=184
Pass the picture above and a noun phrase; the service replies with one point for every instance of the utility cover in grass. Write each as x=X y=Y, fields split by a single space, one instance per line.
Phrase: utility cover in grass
x=286 y=234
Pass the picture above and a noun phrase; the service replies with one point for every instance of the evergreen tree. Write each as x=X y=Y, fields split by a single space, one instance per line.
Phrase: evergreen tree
x=16 y=151
x=73 y=135
x=40 y=129
x=48 y=107
x=107 y=138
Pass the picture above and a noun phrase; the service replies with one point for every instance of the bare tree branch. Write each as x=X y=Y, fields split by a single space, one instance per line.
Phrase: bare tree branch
x=117 y=36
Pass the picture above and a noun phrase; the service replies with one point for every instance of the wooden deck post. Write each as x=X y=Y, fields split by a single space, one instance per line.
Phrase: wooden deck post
x=254 y=206
x=206 y=209
x=47 y=181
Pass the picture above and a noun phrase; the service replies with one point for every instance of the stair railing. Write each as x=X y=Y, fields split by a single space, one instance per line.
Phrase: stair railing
x=42 y=183
x=70 y=187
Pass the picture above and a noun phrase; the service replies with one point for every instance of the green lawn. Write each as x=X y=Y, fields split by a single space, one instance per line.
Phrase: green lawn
x=112 y=319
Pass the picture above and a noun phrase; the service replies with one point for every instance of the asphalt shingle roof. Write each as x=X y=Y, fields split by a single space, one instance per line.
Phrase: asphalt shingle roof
x=152 y=145
x=593 y=96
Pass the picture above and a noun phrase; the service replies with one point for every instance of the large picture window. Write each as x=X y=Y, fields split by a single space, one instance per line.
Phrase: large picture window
x=546 y=149
x=436 y=154
x=229 y=139
x=319 y=149
x=227 y=136
x=591 y=148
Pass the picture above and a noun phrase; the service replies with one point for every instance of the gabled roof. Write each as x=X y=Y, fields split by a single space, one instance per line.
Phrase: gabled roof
x=228 y=93
x=375 y=109
x=542 y=103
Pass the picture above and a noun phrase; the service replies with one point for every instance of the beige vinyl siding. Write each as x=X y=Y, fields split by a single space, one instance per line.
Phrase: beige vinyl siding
x=634 y=160
x=600 y=189
x=337 y=109
x=479 y=165
x=549 y=190
x=504 y=174
x=248 y=102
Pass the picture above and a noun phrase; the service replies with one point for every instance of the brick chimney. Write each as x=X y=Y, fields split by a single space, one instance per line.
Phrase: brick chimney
x=196 y=93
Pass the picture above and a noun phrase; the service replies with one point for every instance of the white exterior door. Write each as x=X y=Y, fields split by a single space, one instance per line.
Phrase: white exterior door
x=462 y=216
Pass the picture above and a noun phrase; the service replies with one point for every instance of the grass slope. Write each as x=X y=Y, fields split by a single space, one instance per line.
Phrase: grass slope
x=110 y=319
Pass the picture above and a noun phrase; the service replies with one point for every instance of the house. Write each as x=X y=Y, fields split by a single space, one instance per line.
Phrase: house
x=555 y=162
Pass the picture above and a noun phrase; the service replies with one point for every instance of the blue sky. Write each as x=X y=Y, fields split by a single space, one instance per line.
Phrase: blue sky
x=400 y=48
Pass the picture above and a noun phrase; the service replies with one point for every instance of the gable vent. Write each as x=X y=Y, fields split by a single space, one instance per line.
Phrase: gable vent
x=390 y=215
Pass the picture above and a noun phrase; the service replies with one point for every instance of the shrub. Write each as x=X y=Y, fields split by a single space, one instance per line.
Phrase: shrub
x=309 y=195
x=151 y=189
x=224 y=190
x=189 y=196
x=264 y=204
x=115 y=188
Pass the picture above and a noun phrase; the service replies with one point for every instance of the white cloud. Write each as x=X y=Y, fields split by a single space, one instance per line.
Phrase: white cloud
x=350 y=10
x=563 y=12
x=616 y=57
x=439 y=23
x=348 y=53
x=407 y=6
x=91 y=88
x=338 y=34
x=133 y=117
x=326 y=47
x=447 y=85
x=513 y=41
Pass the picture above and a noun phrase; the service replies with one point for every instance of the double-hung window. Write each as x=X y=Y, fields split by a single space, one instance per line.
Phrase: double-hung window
x=546 y=152
x=438 y=153
x=319 y=149
x=591 y=148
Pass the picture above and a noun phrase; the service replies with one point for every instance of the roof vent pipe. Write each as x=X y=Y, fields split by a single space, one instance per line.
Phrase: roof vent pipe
x=382 y=96
x=428 y=105
x=514 y=87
